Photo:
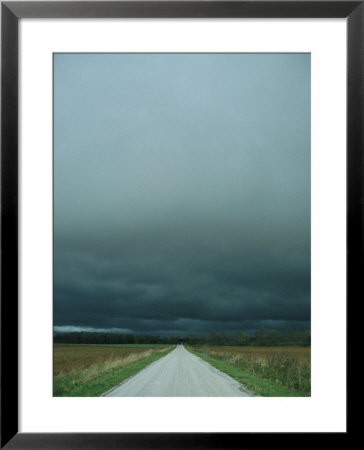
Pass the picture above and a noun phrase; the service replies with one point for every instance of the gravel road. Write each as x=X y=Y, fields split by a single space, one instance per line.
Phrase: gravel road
x=179 y=374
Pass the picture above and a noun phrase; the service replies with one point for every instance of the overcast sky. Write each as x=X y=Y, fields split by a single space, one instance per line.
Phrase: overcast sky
x=181 y=192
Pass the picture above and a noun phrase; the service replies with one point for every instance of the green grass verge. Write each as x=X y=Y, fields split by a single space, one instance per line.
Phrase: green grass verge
x=75 y=386
x=254 y=384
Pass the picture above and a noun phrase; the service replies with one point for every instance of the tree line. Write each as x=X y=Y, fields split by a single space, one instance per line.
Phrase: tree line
x=85 y=337
x=262 y=337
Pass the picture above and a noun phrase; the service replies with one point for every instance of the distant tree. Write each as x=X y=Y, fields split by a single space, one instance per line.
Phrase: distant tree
x=240 y=338
x=266 y=336
x=191 y=338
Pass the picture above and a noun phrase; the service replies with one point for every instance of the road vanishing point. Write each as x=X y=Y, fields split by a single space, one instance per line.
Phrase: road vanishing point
x=179 y=374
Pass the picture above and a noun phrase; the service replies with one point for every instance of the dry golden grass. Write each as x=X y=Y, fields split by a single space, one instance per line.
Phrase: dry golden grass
x=288 y=366
x=71 y=359
x=302 y=354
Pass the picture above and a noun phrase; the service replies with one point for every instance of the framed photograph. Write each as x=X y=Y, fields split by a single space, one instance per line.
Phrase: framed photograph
x=181 y=221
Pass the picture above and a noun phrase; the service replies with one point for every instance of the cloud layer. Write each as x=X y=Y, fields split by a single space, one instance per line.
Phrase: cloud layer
x=181 y=192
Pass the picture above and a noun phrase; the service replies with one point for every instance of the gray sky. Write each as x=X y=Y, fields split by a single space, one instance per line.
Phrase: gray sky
x=181 y=192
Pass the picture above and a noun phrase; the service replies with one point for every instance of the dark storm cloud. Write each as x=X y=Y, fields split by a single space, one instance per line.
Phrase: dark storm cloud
x=182 y=192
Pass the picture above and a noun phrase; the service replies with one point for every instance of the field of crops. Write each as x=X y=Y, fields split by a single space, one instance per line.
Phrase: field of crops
x=287 y=366
x=88 y=369
x=69 y=359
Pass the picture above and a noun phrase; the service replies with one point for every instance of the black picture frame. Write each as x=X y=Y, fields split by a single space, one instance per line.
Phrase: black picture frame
x=11 y=12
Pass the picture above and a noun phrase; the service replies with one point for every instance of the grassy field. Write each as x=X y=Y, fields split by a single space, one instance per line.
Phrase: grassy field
x=90 y=370
x=119 y=345
x=266 y=371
